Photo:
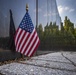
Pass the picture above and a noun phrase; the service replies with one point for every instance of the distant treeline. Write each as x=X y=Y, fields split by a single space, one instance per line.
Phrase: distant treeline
x=54 y=39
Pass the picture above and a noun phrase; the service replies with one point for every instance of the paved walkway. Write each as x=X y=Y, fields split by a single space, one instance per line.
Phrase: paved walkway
x=59 y=63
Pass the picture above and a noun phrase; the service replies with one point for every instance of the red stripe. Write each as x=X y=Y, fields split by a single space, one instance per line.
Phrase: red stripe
x=29 y=42
x=32 y=46
x=21 y=39
x=18 y=38
x=24 y=42
x=35 y=49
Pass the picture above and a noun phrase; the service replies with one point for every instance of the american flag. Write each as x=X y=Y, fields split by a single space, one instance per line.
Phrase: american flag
x=26 y=38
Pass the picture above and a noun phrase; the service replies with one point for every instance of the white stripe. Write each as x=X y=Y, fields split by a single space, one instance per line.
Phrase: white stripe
x=28 y=41
x=31 y=44
x=23 y=42
x=34 y=47
x=20 y=39
x=17 y=35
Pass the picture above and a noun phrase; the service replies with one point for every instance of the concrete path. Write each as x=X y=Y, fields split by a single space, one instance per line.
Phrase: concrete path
x=59 y=63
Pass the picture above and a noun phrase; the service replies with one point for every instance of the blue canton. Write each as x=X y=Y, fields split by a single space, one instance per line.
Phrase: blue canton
x=26 y=23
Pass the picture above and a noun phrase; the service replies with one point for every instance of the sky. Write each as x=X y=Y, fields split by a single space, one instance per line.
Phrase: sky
x=18 y=7
x=67 y=8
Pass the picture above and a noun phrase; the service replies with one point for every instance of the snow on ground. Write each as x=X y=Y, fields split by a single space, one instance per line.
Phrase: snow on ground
x=59 y=63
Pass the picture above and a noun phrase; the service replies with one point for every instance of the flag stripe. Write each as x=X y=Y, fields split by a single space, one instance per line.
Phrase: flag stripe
x=23 y=44
x=23 y=40
x=30 y=43
x=23 y=32
x=34 y=47
x=18 y=38
x=27 y=41
x=17 y=33
x=21 y=35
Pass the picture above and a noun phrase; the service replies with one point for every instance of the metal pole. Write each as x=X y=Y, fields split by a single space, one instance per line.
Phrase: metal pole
x=26 y=11
x=36 y=14
x=36 y=18
x=27 y=7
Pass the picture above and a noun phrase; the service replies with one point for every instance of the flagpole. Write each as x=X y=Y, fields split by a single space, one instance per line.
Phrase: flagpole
x=26 y=11
x=36 y=17
x=36 y=14
x=26 y=7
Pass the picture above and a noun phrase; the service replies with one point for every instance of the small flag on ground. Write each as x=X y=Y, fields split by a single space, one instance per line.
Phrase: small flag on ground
x=26 y=38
